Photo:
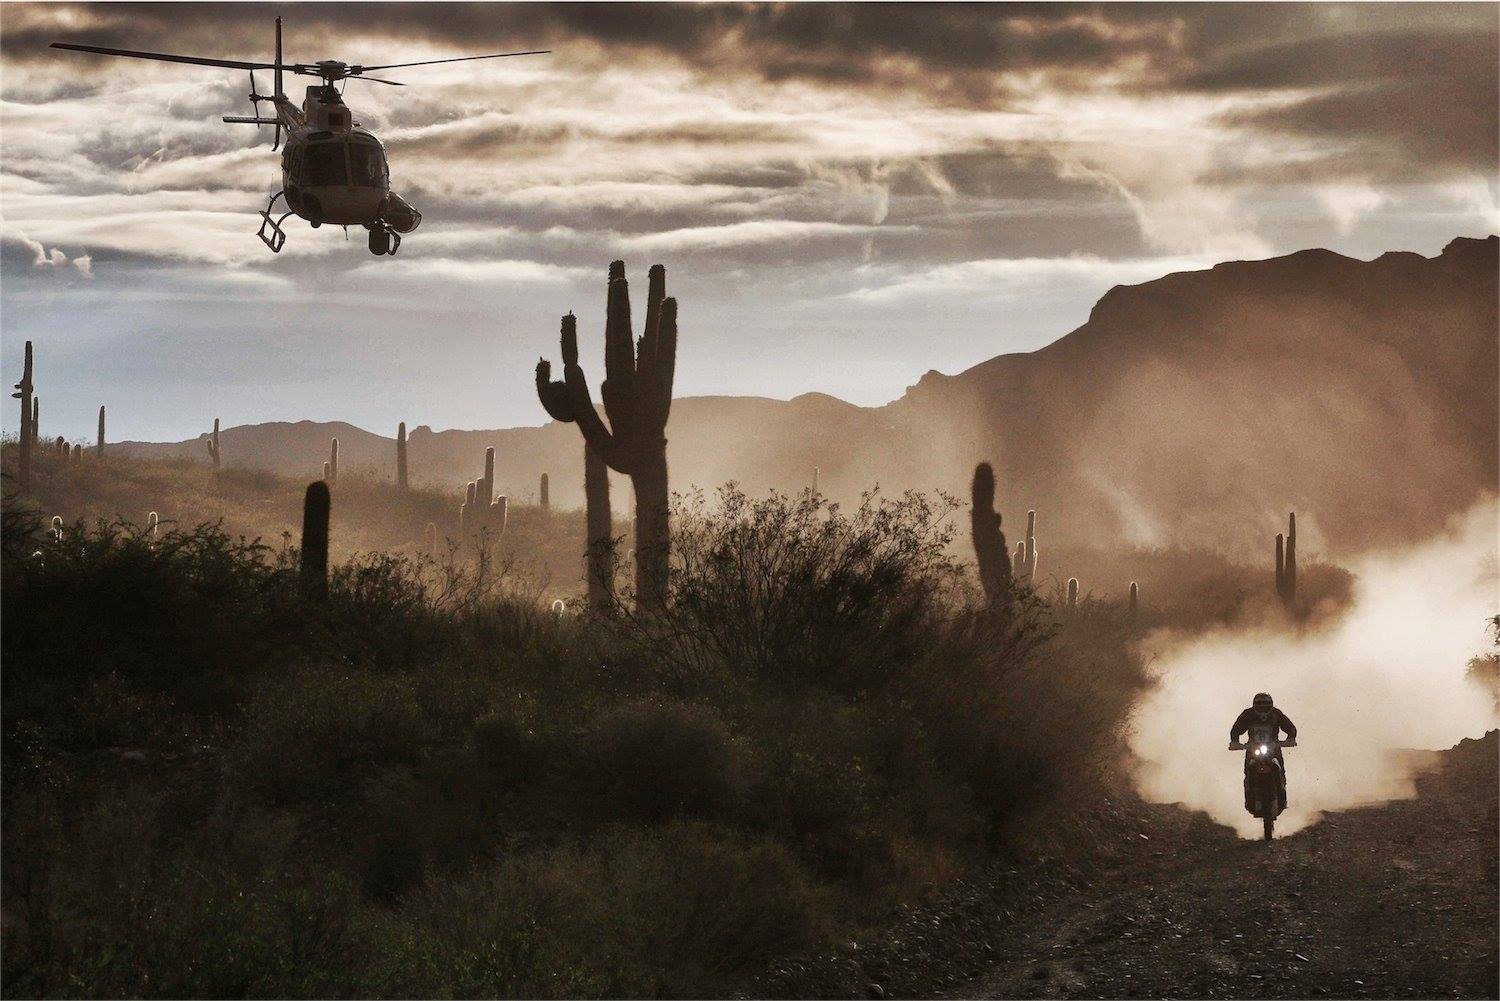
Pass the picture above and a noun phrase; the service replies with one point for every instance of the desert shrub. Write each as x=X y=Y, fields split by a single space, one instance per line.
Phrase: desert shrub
x=191 y=615
x=430 y=785
x=794 y=588
x=679 y=910
x=309 y=739
x=653 y=761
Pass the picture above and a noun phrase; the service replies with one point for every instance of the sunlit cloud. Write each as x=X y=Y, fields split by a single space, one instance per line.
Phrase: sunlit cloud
x=854 y=162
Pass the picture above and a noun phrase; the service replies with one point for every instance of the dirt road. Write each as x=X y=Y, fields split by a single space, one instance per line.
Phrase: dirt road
x=1392 y=901
x=1397 y=900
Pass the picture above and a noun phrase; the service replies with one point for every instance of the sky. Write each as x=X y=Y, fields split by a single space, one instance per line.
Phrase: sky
x=844 y=197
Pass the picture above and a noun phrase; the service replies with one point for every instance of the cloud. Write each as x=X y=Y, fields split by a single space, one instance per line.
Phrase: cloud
x=833 y=153
x=1016 y=277
x=759 y=232
x=44 y=259
x=468 y=271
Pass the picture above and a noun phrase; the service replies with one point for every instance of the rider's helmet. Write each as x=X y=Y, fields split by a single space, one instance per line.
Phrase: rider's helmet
x=1262 y=701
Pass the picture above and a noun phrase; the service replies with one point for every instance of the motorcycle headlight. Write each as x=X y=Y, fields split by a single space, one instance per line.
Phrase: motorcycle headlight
x=1263 y=750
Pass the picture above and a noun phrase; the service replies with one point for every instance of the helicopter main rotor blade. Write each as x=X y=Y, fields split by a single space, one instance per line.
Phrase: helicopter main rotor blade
x=357 y=70
x=376 y=79
x=166 y=57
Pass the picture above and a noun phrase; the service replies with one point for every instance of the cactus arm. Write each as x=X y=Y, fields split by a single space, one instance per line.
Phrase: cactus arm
x=553 y=395
x=598 y=437
x=665 y=365
x=620 y=390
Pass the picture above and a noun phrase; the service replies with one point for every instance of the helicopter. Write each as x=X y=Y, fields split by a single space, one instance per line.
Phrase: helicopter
x=333 y=170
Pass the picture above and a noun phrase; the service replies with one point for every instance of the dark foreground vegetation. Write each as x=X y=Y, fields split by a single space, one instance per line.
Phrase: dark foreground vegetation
x=431 y=784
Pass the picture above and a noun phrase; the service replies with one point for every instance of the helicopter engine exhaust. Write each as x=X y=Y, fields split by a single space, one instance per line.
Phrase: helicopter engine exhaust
x=397 y=213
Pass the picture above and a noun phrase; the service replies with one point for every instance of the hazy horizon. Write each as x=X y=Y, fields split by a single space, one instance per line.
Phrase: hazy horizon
x=843 y=201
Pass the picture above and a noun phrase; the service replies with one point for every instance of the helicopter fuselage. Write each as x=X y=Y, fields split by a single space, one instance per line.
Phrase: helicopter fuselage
x=334 y=171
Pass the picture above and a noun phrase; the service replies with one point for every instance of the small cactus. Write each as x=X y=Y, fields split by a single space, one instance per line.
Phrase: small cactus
x=78 y=451
x=816 y=470
x=543 y=495
x=1135 y=600
x=28 y=431
x=316 y=506
x=990 y=549
x=487 y=483
x=1289 y=571
x=99 y=448
x=57 y=528
x=332 y=475
x=60 y=447
x=401 y=483
x=213 y=447
x=1030 y=545
x=1281 y=566
x=499 y=508
x=325 y=471
x=1072 y=592
x=467 y=515
x=151 y=522
x=559 y=607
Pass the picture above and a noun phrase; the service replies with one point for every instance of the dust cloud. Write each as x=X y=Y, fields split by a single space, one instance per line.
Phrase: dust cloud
x=1387 y=676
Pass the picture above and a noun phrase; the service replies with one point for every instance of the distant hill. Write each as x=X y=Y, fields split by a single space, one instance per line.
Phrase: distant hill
x=1193 y=409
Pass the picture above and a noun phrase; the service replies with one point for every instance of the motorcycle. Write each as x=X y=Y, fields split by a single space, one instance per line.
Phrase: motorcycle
x=1264 y=778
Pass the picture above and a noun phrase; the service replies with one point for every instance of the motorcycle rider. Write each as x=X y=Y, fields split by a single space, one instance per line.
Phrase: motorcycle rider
x=1262 y=712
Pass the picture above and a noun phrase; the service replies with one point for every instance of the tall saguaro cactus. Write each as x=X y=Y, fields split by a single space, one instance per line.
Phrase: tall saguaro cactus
x=28 y=432
x=316 y=506
x=543 y=496
x=637 y=395
x=990 y=549
x=332 y=474
x=401 y=483
x=214 y=454
x=99 y=448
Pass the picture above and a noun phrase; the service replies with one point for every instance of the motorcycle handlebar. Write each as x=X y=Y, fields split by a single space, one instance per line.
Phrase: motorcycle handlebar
x=1245 y=747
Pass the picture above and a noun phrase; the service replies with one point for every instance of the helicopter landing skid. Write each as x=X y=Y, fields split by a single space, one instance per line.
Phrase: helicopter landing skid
x=270 y=232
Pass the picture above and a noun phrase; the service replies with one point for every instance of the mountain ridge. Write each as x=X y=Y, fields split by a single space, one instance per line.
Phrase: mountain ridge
x=1196 y=407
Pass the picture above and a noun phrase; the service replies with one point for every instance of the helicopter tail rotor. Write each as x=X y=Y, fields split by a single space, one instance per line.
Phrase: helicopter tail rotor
x=256 y=119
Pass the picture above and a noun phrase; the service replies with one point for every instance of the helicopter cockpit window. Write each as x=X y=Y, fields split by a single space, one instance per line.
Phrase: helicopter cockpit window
x=324 y=164
x=367 y=163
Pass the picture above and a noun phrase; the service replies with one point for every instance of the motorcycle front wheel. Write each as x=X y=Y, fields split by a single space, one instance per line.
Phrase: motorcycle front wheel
x=1270 y=823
